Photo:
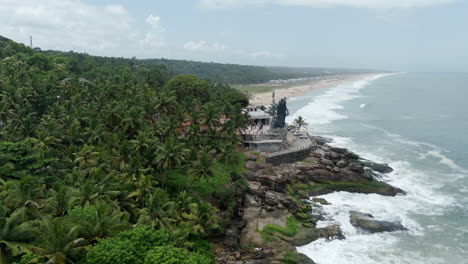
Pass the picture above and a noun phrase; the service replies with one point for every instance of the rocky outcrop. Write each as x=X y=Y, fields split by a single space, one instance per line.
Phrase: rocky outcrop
x=272 y=219
x=368 y=223
x=379 y=167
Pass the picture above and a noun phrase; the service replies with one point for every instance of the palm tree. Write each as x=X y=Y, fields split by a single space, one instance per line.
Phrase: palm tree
x=23 y=193
x=200 y=219
x=58 y=241
x=61 y=198
x=203 y=167
x=166 y=103
x=159 y=211
x=14 y=234
x=171 y=154
x=104 y=222
x=86 y=157
x=144 y=187
x=300 y=122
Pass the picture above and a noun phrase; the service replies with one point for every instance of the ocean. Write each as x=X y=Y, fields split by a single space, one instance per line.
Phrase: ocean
x=418 y=124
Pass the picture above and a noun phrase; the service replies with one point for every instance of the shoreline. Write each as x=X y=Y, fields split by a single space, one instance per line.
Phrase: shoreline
x=276 y=213
x=264 y=99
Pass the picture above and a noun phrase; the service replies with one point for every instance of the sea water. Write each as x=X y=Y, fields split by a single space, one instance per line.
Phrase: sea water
x=418 y=124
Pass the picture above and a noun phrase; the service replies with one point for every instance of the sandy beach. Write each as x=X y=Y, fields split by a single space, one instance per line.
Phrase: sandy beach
x=265 y=99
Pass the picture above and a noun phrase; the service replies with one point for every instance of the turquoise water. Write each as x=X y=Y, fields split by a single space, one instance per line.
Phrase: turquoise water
x=418 y=123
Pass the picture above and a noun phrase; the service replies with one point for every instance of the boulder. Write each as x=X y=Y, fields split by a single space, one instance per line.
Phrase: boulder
x=351 y=156
x=250 y=175
x=339 y=150
x=252 y=157
x=326 y=162
x=253 y=166
x=271 y=198
x=356 y=168
x=368 y=223
x=379 y=167
x=318 y=153
x=255 y=189
x=341 y=164
x=320 y=201
x=307 y=235
x=251 y=201
x=303 y=259
x=334 y=156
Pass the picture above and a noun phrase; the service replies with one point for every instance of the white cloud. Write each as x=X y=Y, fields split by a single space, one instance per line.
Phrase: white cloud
x=154 y=38
x=75 y=25
x=153 y=20
x=220 y=51
x=213 y=4
x=115 y=9
x=264 y=54
x=205 y=46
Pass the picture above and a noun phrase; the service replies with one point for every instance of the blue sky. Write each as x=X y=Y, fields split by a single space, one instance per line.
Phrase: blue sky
x=404 y=35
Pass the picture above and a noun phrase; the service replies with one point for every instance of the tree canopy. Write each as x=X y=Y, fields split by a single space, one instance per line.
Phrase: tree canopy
x=102 y=158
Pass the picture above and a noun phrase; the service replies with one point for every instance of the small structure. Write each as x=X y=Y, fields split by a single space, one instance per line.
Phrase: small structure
x=270 y=136
x=258 y=116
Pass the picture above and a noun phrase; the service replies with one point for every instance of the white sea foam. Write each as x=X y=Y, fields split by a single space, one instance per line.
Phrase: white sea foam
x=421 y=198
x=322 y=110
x=446 y=161
x=421 y=184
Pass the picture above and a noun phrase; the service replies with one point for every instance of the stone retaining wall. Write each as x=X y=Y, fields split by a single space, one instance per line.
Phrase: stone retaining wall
x=289 y=156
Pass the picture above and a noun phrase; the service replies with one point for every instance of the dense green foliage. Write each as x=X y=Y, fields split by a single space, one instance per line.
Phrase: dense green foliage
x=101 y=159
x=142 y=245
x=156 y=71
x=289 y=230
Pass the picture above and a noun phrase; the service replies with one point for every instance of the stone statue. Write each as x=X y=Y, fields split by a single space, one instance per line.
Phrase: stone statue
x=281 y=113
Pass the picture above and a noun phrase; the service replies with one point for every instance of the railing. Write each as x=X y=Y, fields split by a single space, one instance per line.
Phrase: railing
x=291 y=150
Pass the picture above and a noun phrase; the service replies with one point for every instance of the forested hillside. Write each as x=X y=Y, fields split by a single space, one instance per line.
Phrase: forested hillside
x=97 y=67
x=105 y=160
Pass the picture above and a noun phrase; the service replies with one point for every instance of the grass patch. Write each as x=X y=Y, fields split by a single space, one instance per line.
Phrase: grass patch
x=306 y=162
x=268 y=232
x=223 y=175
x=289 y=257
x=360 y=186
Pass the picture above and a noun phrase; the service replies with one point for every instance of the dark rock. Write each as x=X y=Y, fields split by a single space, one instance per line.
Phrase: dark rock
x=255 y=189
x=289 y=204
x=368 y=223
x=339 y=150
x=272 y=198
x=356 y=168
x=379 y=167
x=250 y=175
x=253 y=166
x=326 y=162
x=321 y=140
x=318 y=153
x=305 y=236
x=252 y=157
x=336 y=169
x=351 y=156
x=320 y=201
x=251 y=201
x=303 y=259
x=334 y=156
x=341 y=164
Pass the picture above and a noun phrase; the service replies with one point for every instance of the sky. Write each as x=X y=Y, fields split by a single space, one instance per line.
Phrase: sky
x=401 y=35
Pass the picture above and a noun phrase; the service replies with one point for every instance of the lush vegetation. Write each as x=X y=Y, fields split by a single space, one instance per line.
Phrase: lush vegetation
x=155 y=71
x=289 y=230
x=108 y=160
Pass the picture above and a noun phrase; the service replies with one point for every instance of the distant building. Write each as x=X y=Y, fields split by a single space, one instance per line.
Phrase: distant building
x=258 y=116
